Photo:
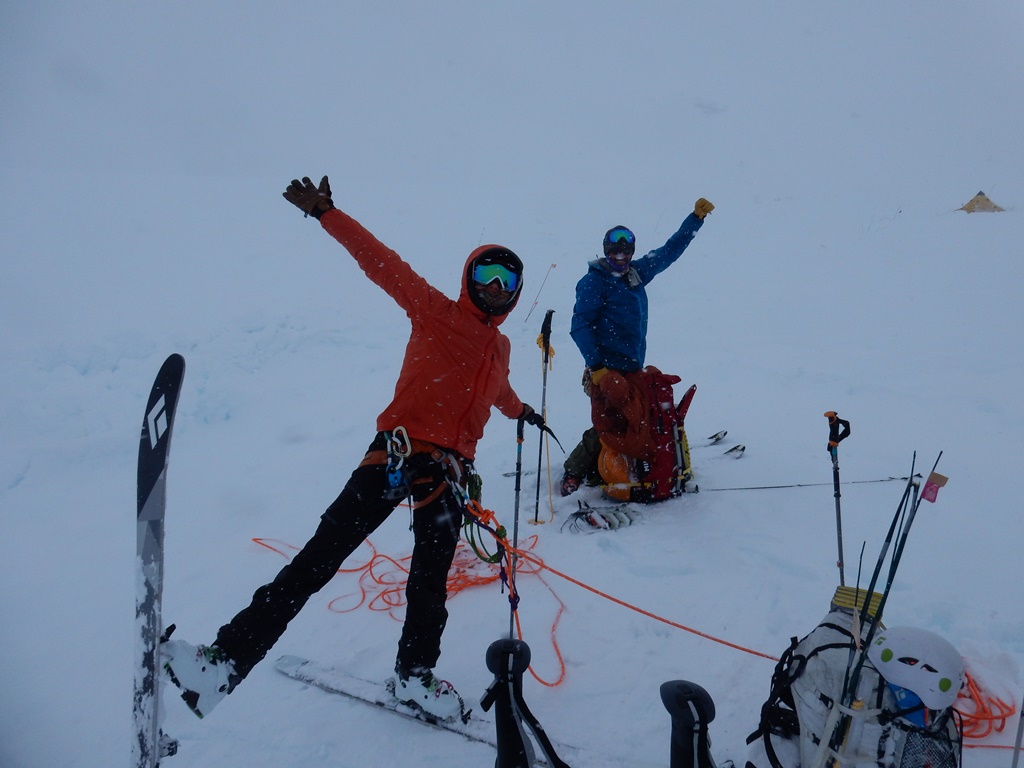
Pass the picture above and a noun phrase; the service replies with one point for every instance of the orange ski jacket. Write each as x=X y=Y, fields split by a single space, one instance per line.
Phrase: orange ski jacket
x=456 y=362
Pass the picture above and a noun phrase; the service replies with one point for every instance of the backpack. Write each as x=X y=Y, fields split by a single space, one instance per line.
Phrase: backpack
x=804 y=706
x=660 y=467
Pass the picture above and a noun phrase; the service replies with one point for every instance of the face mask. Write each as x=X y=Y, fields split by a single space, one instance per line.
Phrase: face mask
x=619 y=262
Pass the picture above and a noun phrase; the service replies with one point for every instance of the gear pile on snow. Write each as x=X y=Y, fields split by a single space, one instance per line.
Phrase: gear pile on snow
x=645 y=455
x=901 y=713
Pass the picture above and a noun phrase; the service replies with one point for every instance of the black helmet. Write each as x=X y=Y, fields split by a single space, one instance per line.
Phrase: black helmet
x=494 y=264
x=619 y=240
x=619 y=245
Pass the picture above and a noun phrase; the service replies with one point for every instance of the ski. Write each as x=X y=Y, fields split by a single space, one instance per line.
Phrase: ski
x=711 y=440
x=477 y=729
x=377 y=694
x=150 y=743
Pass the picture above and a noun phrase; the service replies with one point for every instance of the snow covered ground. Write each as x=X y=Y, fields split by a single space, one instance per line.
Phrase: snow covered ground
x=144 y=149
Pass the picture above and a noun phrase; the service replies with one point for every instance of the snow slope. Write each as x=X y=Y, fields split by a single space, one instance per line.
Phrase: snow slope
x=143 y=153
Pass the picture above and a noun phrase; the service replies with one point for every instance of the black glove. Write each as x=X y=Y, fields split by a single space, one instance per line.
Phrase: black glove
x=531 y=417
x=313 y=201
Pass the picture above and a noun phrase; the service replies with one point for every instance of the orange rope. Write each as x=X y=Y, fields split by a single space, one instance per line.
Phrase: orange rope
x=554 y=638
x=384 y=578
x=475 y=509
x=982 y=713
x=487 y=518
x=648 y=614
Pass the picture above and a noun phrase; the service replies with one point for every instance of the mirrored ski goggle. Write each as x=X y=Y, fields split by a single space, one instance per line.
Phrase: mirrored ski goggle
x=621 y=236
x=485 y=274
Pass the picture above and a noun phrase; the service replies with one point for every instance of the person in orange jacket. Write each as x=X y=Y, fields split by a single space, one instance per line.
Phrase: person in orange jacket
x=456 y=368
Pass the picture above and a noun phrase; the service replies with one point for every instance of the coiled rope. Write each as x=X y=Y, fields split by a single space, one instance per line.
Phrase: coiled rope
x=382 y=582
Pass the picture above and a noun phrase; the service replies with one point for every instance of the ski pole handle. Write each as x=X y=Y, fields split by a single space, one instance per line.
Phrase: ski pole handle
x=545 y=327
x=838 y=430
x=544 y=339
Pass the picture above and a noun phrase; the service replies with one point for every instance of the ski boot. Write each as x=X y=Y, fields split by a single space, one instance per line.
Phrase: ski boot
x=204 y=674
x=437 y=699
x=570 y=484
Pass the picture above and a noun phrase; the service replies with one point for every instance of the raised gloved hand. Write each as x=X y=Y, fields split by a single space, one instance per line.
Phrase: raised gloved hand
x=702 y=208
x=311 y=200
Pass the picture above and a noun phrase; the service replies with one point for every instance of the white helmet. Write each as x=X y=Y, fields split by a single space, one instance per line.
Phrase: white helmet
x=921 y=662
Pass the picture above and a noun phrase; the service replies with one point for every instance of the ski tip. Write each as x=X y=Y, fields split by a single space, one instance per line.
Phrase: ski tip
x=718 y=436
x=173 y=367
x=736 y=451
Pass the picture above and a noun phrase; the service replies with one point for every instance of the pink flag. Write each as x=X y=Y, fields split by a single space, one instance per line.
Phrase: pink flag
x=931 y=487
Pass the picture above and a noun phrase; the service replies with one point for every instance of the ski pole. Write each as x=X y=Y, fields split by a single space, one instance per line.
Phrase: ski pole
x=545 y=344
x=852 y=681
x=897 y=554
x=836 y=436
x=514 y=594
x=863 y=617
x=893 y=527
x=537 y=298
x=1020 y=733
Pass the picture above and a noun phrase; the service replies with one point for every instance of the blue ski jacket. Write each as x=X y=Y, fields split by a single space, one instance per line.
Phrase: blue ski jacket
x=609 y=320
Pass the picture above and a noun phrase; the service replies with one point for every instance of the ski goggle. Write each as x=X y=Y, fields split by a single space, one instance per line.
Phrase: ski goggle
x=621 y=236
x=485 y=274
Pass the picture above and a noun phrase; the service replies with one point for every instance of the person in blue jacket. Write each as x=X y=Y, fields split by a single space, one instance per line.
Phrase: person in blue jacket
x=609 y=320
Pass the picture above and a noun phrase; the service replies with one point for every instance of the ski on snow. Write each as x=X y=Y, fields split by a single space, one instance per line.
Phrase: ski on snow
x=735 y=452
x=334 y=680
x=149 y=743
x=476 y=729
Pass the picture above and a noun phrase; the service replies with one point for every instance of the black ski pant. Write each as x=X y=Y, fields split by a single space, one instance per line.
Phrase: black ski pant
x=357 y=512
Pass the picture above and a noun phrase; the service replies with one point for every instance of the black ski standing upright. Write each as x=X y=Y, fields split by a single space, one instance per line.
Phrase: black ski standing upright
x=148 y=742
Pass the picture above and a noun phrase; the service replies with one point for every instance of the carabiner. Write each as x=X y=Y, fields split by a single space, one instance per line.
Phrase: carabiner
x=399 y=448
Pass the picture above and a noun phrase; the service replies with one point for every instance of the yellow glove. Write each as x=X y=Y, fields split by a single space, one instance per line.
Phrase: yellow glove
x=702 y=208
x=590 y=379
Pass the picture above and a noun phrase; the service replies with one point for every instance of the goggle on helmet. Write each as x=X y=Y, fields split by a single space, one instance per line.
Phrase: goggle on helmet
x=495 y=264
x=619 y=240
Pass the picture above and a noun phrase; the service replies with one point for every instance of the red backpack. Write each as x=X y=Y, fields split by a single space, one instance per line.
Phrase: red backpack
x=663 y=470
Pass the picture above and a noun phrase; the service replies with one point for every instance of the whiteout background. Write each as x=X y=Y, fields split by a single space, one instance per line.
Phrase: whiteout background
x=143 y=152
